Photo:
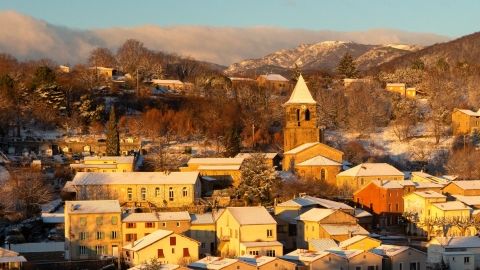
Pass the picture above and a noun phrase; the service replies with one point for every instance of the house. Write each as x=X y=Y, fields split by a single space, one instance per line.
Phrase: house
x=359 y=242
x=160 y=267
x=401 y=257
x=217 y=263
x=326 y=223
x=322 y=244
x=347 y=82
x=267 y=263
x=247 y=231
x=240 y=81
x=463 y=187
x=458 y=253
x=92 y=229
x=138 y=225
x=225 y=169
x=169 y=84
x=423 y=177
x=417 y=206
x=202 y=229
x=166 y=246
x=362 y=174
x=10 y=259
x=465 y=122
x=140 y=189
x=396 y=88
x=273 y=159
x=304 y=150
x=472 y=201
x=275 y=82
x=334 y=259
x=105 y=164
x=356 y=259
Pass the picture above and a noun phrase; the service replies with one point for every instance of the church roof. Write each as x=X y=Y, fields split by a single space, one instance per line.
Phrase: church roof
x=301 y=94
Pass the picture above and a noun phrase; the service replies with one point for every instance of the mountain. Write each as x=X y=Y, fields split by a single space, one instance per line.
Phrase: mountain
x=321 y=56
x=462 y=50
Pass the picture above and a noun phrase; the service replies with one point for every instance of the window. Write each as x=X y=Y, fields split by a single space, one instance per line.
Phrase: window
x=202 y=245
x=157 y=192
x=307 y=115
x=83 y=221
x=298 y=116
x=99 y=250
x=253 y=252
x=271 y=253
x=413 y=266
x=129 y=194
x=173 y=241
x=358 y=268
x=99 y=220
x=131 y=237
x=143 y=193
x=100 y=235
x=173 y=250
x=160 y=253
x=184 y=192
x=83 y=235
x=82 y=250
x=178 y=224
x=131 y=225
x=149 y=225
x=114 y=220
x=370 y=267
x=466 y=260
x=164 y=224
x=269 y=233
x=113 y=235
x=400 y=266
x=170 y=194
x=185 y=252
x=323 y=174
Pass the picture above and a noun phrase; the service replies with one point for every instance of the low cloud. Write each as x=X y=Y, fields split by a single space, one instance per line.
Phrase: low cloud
x=28 y=38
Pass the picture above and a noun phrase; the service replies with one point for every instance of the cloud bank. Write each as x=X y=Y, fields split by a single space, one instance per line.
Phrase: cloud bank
x=28 y=38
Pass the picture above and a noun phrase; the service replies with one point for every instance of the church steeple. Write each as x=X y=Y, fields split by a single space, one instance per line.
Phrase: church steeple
x=301 y=94
x=300 y=117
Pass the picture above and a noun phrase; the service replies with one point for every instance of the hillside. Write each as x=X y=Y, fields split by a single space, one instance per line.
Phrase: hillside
x=320 y=56
x=465 y=49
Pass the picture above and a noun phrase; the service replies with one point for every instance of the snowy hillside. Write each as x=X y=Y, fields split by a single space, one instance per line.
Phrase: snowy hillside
x=323 y=55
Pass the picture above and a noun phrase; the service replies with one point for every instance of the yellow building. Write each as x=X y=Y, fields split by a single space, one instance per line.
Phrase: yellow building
x=105 y=164
x=326 y=223
x=138 y=225
x=463 y=187
x=303 y=149
x=396 y=88
x=465 y=122
x=247 y=231
x=202 y=229
x=142 y=189
x=162 y=245
x=92 y=229
x=418 y=207
x=227 y=169
x=360 y=242
x=357 y=177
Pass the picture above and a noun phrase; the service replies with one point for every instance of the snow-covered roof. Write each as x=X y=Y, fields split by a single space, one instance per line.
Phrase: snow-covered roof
x=240 y=79
x=274 y=77
x=372 y=169
x=53 y=218
x=310 y=200
x=301 y=94
x=119 y=178
x=219 y=167
x=360 y=213
x=91 y=207
x=348 y=253
x=213 y=263
x=157 y=81
x=117 y=159
x=391 y=250
x=7 y=256
x=354 y=240
x=396 y=84
x=156 y=216
x=304 y=255
x=315 y=214
x=427 y=185
x=429 y=194
x=322 y=244
x=260 y=244
x=467 y=184
x=469 y=112
x=252 y=215
x=468 y=200
x=458 y=241
x=319 y=161
x=342 y=229
x=301 y=148
x=248 y=155
x=452 y=205
x=157 y=267
x=148 y=240
x=216 y=161
x=205 y=218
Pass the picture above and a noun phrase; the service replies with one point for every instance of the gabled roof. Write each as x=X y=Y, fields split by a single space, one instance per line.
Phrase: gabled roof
x=259 y=260
x=340 y=229
x=319 y=161
x=315 y=214
x=323 y=244
x=372 y=169
x=452 y=205
x=466 y=184
x=248 y=155
x=310 y=200
x=468 y=200
x=301 y=94
x=392 y=250
x=205 y=218
x=428 y=194
x=469 y=112
x=91 y=207
x=274 y=77
x=457 y=242
x=214 y=263
x=301 y=148
x=304 y=255
x=117 y=159
x=148 y=240
x=119 y=178
x=252 y=215
x=156 y=216
x=354 y=240
x=217 y=161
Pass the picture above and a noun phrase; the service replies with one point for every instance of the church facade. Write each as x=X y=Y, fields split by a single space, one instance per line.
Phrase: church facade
x=304 y=150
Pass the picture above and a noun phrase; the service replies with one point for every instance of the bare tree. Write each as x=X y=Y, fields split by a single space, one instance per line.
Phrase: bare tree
x=102 y=57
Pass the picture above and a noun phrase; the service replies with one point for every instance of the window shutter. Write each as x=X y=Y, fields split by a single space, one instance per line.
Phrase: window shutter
x=160 y=253
x=185 y=252
x=173 y=241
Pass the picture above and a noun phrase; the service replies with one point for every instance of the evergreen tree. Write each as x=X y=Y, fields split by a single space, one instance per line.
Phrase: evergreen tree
x=113 y=138
x=346 y=66
x=257 y=180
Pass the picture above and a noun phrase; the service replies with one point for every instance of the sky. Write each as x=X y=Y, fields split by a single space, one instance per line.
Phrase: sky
x=451 y=18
